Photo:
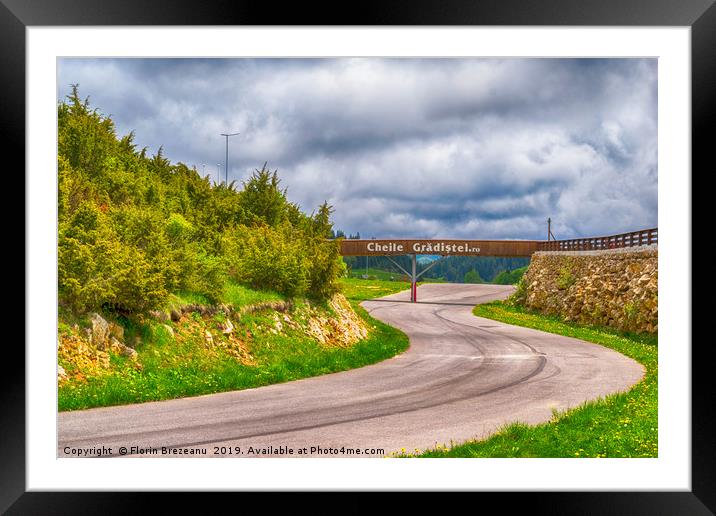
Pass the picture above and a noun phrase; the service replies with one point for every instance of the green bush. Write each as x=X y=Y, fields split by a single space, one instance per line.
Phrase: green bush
x=179 y=229
x=269 y=258
x=566 y=278
x=519 y=296
x=326 y=266
x=135 y=228
x=97 y=270
x=208 y=276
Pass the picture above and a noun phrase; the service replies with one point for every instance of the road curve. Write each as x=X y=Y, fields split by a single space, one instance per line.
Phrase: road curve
x=462 y=378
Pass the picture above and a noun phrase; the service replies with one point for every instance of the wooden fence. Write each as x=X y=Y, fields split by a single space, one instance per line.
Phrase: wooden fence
x=633 y=239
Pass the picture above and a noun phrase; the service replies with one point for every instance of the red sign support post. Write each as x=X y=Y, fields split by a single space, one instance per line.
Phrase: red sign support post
x=414 y=281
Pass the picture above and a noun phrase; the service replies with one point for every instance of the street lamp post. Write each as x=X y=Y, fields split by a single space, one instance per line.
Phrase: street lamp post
x=227 y=154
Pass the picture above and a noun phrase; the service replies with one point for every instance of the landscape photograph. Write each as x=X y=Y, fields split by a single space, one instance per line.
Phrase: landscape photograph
x=357 y=257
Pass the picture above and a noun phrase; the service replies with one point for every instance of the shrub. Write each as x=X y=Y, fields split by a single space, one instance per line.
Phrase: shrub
x=566 y=279
x=178 y=229
x=97 y=270
x=519 y=296
x=208 y=276
x=326 y=266
x=269 y=258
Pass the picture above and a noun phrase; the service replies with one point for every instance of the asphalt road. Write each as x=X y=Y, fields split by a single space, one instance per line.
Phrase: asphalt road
x=462 y=378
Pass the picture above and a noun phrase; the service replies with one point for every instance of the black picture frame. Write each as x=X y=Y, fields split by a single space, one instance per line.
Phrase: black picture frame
x=700 y=15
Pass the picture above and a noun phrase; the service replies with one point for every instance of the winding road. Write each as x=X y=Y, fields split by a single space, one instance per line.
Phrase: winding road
x=462 y=378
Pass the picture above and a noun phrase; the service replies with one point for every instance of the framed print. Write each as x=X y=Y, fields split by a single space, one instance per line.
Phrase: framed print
x=415 y=249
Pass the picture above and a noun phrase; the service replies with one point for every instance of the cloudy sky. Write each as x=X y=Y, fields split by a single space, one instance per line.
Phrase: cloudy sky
x=463 y=148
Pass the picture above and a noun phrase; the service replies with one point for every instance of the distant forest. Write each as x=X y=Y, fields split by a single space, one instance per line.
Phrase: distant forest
x=456 y=269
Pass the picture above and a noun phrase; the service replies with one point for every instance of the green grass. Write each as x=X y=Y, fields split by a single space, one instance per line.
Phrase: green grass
x=234 y=294
x=620 y=425
x=238 y=295
x=174 y=369
x=378 y=274
x=395 y=277
x=180 y=299
x=359 y=289
x=356 y=289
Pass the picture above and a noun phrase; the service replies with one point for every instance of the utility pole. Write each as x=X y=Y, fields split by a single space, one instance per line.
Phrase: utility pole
x=227 y=154
x=549 y=227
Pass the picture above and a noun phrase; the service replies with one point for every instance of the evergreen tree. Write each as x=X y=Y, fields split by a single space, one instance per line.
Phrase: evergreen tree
x=262 y=199
x=473 y=276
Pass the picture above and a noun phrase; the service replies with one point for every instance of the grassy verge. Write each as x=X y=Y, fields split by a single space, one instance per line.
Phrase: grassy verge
x=174 y=360
x=378 y=274
x=357 y=290
x=620 y=425
x=234 y=294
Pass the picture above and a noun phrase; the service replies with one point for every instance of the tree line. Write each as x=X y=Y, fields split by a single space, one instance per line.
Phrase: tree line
x=456 y=269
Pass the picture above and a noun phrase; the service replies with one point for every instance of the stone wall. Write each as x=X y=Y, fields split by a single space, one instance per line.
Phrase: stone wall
x=616 y=288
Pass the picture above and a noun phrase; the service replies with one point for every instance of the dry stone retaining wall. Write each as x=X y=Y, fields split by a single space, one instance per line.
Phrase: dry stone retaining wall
x=616 y=288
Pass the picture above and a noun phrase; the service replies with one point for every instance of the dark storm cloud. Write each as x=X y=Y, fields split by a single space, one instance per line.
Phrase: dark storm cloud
x=477 y=148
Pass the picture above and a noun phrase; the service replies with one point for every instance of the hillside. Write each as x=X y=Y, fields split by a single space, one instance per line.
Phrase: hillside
x=169 y=285
x=193 y=348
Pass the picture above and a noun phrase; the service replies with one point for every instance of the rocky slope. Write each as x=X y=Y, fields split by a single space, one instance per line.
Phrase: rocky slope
x=86 y=348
